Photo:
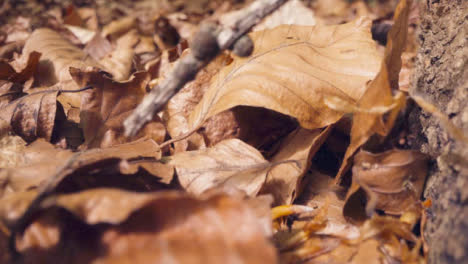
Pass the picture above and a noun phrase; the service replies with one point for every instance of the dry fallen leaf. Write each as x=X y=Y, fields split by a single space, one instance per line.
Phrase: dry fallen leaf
x=32 y=116
x=34 y=164
x=379 y=91
x=148 y=228
x=21 y=70
x=292 y=69
x=41 y=163
x=393 y=180
x=119 y=61
x=104 y=107
x=284 y=180
x=182 y=104
x=230 y=163
x=58 y=55
x=318 y=192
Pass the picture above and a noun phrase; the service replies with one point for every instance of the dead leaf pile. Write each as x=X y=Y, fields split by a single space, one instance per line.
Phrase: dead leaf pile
x=285 y=156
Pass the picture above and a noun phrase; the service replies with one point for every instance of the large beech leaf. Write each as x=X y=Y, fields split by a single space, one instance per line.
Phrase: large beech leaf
x=379 y=92
x=104 y=107
x=231 y=163
x=149 y=228
x=393 y=180
x=292 y=70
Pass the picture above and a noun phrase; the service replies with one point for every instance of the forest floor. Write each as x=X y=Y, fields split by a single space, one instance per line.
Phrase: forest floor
x=296 y=153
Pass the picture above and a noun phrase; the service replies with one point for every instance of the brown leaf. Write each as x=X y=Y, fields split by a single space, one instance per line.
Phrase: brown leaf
x=393 y=180
x=105 y=107
x=292 y=69
x=98 y=47
x=379 y=92
x=182 y=104
x=41 y=163
x=149 y=228
x=58 y=55
x=119 y=61
x=230 y=163
x=9 y=91
x=34 y=164
x=119 y=27
x=22 y=70
x=32 y=116
x=284 y=180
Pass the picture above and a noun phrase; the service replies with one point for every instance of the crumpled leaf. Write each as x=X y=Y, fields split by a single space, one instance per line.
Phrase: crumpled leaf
x=393 y=180
x=149 y=228
x=104 y=108
x=379 y=92
x=284 y=180
x=32 y=116
x=230 y=163
x=292 y=69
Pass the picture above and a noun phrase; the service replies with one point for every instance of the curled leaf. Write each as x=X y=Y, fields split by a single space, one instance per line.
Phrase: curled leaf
x=32 y=116
x=393 y=180
x=284 y=180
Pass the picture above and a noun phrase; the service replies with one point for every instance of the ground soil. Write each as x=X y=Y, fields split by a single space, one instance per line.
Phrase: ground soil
x=441 y=77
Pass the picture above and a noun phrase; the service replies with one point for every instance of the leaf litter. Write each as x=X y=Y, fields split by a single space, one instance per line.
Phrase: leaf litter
x=243 y=165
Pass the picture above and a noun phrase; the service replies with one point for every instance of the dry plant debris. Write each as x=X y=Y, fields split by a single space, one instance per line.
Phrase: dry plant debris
x=287 y=155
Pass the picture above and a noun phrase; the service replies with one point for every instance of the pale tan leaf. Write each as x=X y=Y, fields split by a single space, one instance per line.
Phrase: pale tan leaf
x=292 y=69
x=230 y=163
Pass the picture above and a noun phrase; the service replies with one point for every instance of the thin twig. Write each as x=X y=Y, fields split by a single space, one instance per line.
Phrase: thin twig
x=208 y=42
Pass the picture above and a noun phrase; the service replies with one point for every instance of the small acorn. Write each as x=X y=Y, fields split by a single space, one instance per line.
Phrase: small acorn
x=205 y=44
x=243 y=47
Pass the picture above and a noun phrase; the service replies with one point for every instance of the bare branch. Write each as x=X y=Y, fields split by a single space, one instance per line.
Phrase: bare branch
x=208 y=42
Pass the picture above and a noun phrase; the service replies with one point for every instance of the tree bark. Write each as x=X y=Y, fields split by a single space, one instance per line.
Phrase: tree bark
x=441 y=78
